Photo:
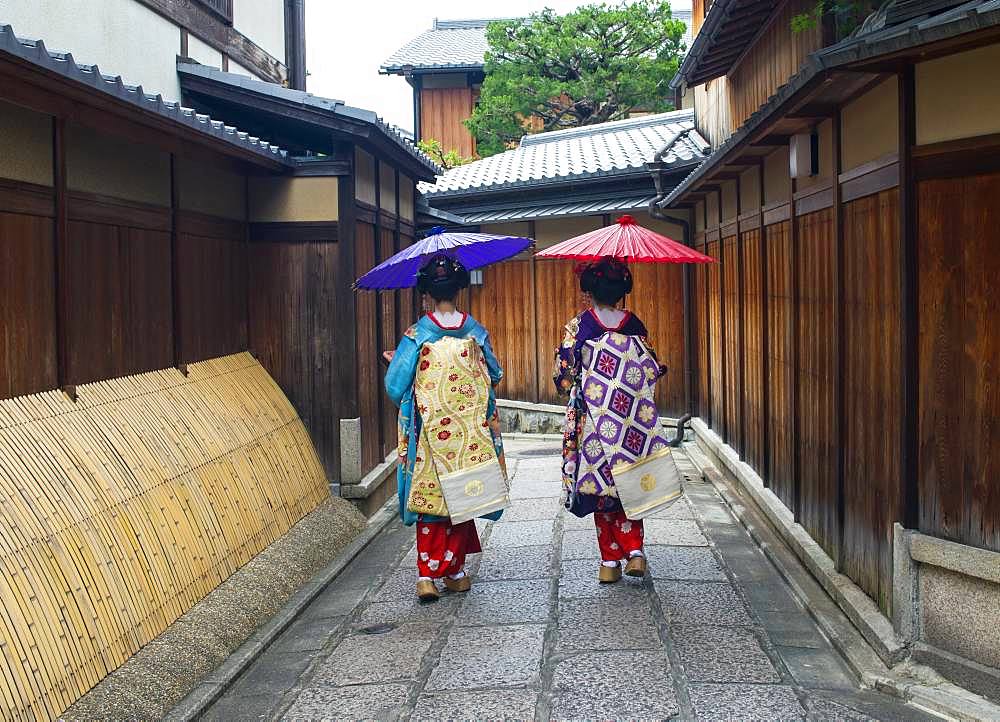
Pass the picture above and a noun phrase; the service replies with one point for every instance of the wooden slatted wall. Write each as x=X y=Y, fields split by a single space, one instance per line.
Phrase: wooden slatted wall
x=959 y=438
x=27 y=291
x=211 y=277
x=559 y=300
x=388 y=341
x=135 y=502
x=731 y=302
x=658 y=300
x=753 y=349
x=294 y=329
x=818 y=377
x=117 y=261
x=872 y=390
x=370 y=370
x=780 y=352
x=715 y=336
x=699 y=310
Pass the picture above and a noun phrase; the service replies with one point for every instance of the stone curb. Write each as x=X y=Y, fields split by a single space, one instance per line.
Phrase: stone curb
x=933 y=695
x=197 y=702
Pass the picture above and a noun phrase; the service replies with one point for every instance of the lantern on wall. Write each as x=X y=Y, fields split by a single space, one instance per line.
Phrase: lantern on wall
x=803 y=155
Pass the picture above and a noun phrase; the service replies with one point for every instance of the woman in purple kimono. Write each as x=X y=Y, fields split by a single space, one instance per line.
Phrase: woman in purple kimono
x=608 y=371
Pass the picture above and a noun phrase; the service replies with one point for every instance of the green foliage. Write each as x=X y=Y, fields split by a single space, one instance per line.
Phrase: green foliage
x=598 y=63
x=445 y=159
x=845 y=14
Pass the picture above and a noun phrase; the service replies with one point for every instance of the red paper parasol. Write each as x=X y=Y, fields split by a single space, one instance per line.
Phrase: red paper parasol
x=627 y=241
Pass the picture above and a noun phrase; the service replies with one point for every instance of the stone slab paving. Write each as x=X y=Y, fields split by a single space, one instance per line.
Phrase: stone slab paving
x=712 y=633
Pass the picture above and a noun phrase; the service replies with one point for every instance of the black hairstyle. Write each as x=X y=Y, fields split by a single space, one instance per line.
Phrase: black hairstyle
x=442 y=277
x=607 y=280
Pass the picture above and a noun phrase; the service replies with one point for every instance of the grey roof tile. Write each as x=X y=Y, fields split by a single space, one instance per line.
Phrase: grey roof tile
x=462 y=44
x=449 y=44
x=35 y=52
x=607 y=149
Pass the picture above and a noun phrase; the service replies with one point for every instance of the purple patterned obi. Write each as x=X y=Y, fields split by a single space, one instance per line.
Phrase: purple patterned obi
x=621 y=422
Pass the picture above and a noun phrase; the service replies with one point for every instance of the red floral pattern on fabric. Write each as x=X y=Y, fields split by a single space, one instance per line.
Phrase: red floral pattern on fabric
x=617 y=535
x=442 y=547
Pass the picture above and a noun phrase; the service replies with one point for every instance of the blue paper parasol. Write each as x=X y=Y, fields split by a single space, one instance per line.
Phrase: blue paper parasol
x=472 y=250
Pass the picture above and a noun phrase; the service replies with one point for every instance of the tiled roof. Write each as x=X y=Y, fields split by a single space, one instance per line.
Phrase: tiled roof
x=35 y=52
x=450 y=44
x=608 y=149
x=453 y=44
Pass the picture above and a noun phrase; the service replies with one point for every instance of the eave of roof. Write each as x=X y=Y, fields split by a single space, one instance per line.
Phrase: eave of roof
x=35 y=54
x=729 y=27
x=363 y=125
x=978 y=15
x=449 y=46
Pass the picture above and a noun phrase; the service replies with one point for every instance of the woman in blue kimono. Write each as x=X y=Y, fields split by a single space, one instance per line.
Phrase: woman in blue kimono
x=441 y=377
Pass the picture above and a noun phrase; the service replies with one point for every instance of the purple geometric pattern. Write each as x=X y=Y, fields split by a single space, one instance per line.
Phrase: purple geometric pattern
x=620 y=426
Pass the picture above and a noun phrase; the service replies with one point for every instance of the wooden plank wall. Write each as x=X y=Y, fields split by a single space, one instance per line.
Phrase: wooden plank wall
x=780 y=359
x=753 y=348
x=871 y=390
x=293 y=330
x=699 y=318
x=818 y=378
x=775 y=56
x=732 y=351
x=370 y=370
x=715 y=336
x=27 y=290
x=388 y=341
x=663 y=314
x=959 y=438
x=211 y=302
x=442 y=111
x=116 y=266
x=525 y=305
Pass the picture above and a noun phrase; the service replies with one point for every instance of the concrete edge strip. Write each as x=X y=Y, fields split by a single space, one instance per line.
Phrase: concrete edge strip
x=861 y=610
x=197 y=702
x=942 y=698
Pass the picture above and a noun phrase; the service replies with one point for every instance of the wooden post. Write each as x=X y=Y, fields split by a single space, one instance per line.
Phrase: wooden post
x=175 y=267
x=380 y=404
x=724 y=421
x=345 y=357
x=741 y=331
x=796 y=353
x=60 y=240
x=708 y=316
x=534 y=319
x=841 y=324
x=909 y=299
x=765 y=338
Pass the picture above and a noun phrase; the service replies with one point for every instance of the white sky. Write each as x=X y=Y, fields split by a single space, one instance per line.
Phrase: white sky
x=347 y=41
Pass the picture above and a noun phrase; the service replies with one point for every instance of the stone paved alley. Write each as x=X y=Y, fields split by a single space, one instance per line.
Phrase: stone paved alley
x=712 y=633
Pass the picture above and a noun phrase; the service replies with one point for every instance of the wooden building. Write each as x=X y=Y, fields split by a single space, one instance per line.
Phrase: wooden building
x=846 y=343
x=554 y=186
x=444 y=66
x=180 y=347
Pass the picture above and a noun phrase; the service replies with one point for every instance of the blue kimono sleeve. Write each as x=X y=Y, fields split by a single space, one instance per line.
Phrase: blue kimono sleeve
x=492 y=364
x=402 y=370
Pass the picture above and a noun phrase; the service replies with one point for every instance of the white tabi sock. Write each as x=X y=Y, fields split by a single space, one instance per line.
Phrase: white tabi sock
x=609 y=564
x=636 y=553
x=424 y=579
x=455 y=577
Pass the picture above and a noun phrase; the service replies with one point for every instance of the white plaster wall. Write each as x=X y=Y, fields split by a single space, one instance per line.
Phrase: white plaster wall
x=203 y=52
x=238 y=69
x=263 y=21
x=123 y=37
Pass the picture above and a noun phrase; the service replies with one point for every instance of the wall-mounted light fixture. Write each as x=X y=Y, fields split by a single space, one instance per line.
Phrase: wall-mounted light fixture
x=476 y=277
x=803 y=155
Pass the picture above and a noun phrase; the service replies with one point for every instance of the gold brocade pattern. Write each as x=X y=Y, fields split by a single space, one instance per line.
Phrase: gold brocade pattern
x=451 y=393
